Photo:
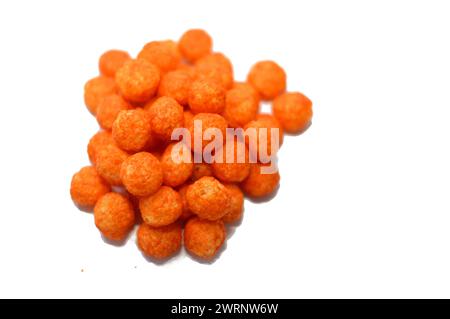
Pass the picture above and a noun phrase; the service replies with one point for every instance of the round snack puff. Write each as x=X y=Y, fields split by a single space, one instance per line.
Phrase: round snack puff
x=268 y=78
x=87 y=187
x=96 y=89
x=165 y=116
x=293 y=111
x=236 y=206
x=109 y=108
x=203 y=238
x=257 y=184
x=215 y=66
x=177 y=164
x=176 y=84
x=132 y=130
x=207 y=96
x=194 y=44
x=108 y=163
x=231 y=162
x=99 y=140
x=163 y=54
x=111 y=61
x=159 y=242
x=142 y=174
x=207 y=121
x=241 y=107
x=162 y=208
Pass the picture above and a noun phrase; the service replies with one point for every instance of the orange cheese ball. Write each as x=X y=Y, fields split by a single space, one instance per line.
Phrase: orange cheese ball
x=96 y=89
x=238 y=169
x=236 y=205
x=165 y=116
x=176 y=84
x=141 y=174
x=109 y=108
x=162 y=208
x=203 y=238
x=186 y=213
x=200 y=170
x=268 y=78
x=177 y=169
x=259 y=185
x=132 y=130
x=241 y=106
x=99 y=140
x=138 y=80
x=111 y=61
x=208 y=120
x=114 y=216
x=248 y=87
x=208 y=198
x=194 y=44
x=163 y=54
x=159 y=242
x=215 y=66
x=206 y=96
x=109 y=161
x=264 y=145
x=293 y=111
x=87 y=187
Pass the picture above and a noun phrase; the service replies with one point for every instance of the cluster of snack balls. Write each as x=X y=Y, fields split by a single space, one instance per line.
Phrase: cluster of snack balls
x=133 y=178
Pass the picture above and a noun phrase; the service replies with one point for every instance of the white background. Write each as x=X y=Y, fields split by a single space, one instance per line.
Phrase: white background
x=364 y=204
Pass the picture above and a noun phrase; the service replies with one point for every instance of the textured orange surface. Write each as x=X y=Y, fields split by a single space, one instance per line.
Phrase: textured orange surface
x=207 y=96
x=163 y=54
x=159 y=242
x=100 y=139
x=241 y=106
x=109 y=161
x=293 y=111
x=96 y=89
x=186 y=214
x=165 y=116
x=109 y=108
x=200 y=170
x=208 y=120
x=176 y=84
x=132 y=130
x=233 y=171
x=236 y=206
x=268 y=78
x=162 y=208
x=203 y=238
x=259 y=185
x=215 y=66
x=178 y=168
x=111 y=61
x=87 y=187
x=194 y=44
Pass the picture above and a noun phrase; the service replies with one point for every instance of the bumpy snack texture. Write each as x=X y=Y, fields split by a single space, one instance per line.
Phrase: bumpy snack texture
x=204 y=238
x=163 y=54
x=111 y=61
x=241 y=106
x=212 y=121
x=109 y=108
x=132 y=130
x=194 y=44
x=96 y=89
x=186 y=214
x=165 y=116
x=162 y=208
x=231 y=161
x=87 y=187
x=236 y=206
x=293 y=111
x=177 y=164
x=215 y=66
x=159 y=242
x=207 y=96
x=99 y=140
x=259 y=185
x=268 y=78
x=176 y=84
x=109 y=161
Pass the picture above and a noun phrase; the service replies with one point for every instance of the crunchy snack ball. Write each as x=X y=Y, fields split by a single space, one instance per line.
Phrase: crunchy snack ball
x=241 y=107
x=293 y=111
x=248 y=87
x=264 y=144
x=96 y=89
x=111 y=61
x=207 y=120
x=186 y=213
x=206 y=96
x=138 y=80
x=236 y=206
x=176 y=84
x=87 y=187
x=165 y=116
x=208 y=198
x=215 y=66
x=162 y=208
x=177 y=167
x=203 y=238
x=163 y=54
x=114 y=216
x=231 y=161
x=109 y=160
x=159 y=242
x=260 y=185
x=109 y=108
x=194 y=44
x=132 y=130
x=141 y=174
x=268 y=78
x=200 y=170
x=99 y=140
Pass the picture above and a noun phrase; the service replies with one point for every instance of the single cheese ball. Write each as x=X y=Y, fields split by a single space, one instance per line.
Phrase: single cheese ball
x=208 y=198
x=194 y=44
x=236 y=206
x=111 y=61
x=87 y=187
x=114 y=216
x=162 y=208
x=259 y=185
x=138 y=80
x=200 y=170
x=176 y=84
x=293 y=111
x=207 y=121
x=241 y=107
x=159 y=242
x=215 y=66
x=203 y=238
x=268 y=78
x=109 y=161
x=96 y=89
x=141 y=174
x=207 y=96
x=109 y=108
x=163 y=54
x=263 y=145
x=165 y=116
x=177 y=167
x=132 y=130
x=186 y=213
x=231 y=162
x=99 y=140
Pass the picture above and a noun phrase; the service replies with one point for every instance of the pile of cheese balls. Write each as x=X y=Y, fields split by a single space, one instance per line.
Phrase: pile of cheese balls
x=133 y=179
